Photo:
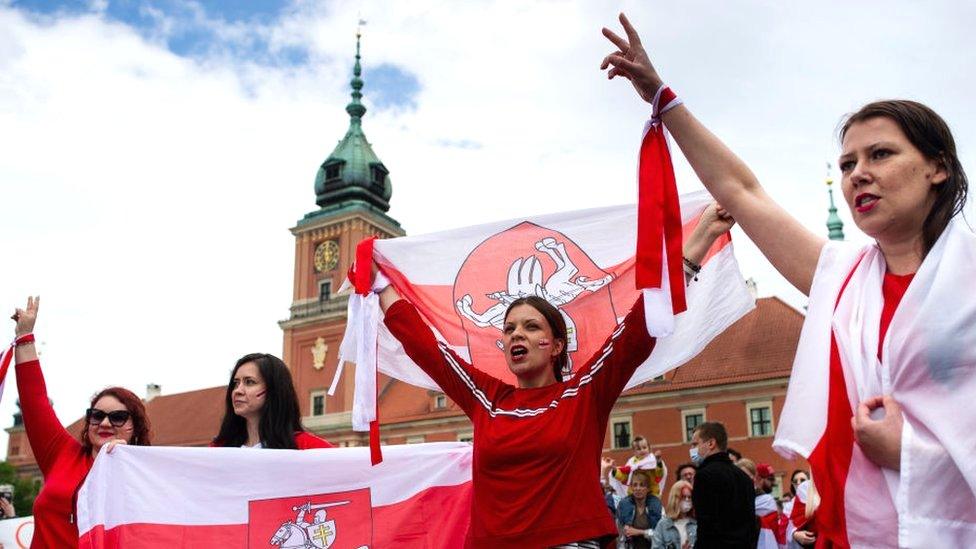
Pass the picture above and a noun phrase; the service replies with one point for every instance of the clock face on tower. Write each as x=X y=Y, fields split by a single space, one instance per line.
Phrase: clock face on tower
x=326 y=256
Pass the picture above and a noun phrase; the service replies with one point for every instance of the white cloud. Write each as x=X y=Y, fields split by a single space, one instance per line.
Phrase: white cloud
x=147 y=196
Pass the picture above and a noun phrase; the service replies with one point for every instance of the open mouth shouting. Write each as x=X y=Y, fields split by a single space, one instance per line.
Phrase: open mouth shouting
x=518 y=352
x=864 y=202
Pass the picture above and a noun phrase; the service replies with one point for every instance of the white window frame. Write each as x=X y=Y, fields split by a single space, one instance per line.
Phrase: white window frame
x=684 y=421
x=417 y=439
x=466 y=436
x=437 y=400
x=629 y=420
x=750 y=406
x=311 y=402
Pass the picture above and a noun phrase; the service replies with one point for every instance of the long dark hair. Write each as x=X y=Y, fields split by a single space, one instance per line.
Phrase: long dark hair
x=281 y=417
x=137 y=410
x=930 y=134
x=556 y=322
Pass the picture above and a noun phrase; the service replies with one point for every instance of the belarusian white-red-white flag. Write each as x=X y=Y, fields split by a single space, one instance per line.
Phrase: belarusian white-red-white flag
x=583 y=262
x=155 y=497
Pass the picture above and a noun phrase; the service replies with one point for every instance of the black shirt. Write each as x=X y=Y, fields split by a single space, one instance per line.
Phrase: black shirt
x=725 y=505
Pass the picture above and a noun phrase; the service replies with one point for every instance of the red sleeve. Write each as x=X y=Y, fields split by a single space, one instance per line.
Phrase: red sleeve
x=307 y=441
x=458 y=379
x=614 y=364
x=46 y=434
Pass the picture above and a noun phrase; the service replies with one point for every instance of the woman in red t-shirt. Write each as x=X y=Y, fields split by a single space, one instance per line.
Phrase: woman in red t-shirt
x=262 y=408
x=537 y=445
x=903 y=182
x=116 y=416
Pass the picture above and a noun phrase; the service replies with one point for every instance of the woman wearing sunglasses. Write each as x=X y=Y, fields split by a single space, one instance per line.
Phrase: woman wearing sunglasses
x=116 y=416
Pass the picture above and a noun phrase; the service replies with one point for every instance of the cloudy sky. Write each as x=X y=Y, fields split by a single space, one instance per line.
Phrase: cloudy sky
x=153 y=154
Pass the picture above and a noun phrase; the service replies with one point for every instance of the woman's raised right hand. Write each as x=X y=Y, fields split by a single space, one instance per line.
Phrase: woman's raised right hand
x=631 y=61
x=25 y=318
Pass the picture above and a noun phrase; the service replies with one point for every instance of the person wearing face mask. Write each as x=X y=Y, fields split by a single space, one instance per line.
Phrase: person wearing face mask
x=723 y=495
x=798 y=477
x=116 y=416
x=678 y=528
x=261 y=408
x=638 y=513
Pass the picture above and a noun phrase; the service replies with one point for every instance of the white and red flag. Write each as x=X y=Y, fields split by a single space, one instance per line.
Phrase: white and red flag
x=583 y=262
x=154 y=497
x=927 y=363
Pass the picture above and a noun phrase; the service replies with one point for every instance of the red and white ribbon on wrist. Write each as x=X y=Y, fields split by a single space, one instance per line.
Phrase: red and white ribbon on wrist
x=664 y=101
x=7 y=356
x=660 y=272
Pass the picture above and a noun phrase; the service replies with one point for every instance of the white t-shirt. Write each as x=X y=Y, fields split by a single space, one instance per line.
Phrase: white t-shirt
x=682 y=525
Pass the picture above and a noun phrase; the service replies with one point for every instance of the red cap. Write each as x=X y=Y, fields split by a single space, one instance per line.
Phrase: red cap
x=765 y=470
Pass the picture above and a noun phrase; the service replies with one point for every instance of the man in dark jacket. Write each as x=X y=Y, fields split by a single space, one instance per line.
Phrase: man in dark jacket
x=723 y=495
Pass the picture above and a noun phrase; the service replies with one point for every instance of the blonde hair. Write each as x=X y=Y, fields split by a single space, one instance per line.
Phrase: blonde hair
x=643 y=474
x=813 y=499
x=673 y=508
x=748 y=466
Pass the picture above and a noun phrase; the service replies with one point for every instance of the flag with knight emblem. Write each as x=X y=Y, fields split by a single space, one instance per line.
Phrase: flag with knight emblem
x=583 y=262
x=420 y=496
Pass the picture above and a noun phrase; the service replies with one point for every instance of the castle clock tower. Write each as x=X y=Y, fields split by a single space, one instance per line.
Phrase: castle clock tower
x=352 y=190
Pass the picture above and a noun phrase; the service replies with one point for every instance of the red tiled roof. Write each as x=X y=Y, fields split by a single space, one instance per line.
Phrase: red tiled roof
x=761 y=345
x=182 y=419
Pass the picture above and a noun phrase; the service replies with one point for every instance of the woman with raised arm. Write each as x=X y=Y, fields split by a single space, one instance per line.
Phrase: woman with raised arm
x=116 y=416
x=261 y=408
x=886 y=364
x=537 y=445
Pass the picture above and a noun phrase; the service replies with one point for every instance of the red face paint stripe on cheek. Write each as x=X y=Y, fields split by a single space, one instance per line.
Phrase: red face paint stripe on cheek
x=261 y=394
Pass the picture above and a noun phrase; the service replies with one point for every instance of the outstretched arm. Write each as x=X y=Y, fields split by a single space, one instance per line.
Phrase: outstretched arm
x=789 y=246
x=44 y=432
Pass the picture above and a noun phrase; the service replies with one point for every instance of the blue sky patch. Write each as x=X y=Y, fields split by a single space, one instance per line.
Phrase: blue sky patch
x=389 y=86
x=189 y=27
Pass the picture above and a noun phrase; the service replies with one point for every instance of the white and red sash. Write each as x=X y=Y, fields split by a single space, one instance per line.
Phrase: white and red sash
x=768 y=514
x=928 y=365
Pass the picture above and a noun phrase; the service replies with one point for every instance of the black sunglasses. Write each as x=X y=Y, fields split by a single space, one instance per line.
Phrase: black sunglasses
x=116 y=418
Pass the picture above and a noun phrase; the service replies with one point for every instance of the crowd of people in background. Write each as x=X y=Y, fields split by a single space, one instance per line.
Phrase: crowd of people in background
x=718 y=499
x=888 y=392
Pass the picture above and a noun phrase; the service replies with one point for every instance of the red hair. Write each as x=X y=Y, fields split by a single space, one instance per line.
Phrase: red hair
x=132 y=403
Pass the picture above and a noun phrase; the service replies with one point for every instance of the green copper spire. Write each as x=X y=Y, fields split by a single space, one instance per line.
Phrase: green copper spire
x=353 y=176
x=835 y=227
x=356 y=109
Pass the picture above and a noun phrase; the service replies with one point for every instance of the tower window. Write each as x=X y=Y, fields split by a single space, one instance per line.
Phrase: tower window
x=325 y=290
x=332 y=171
x=378 y=176
x=318 y=403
